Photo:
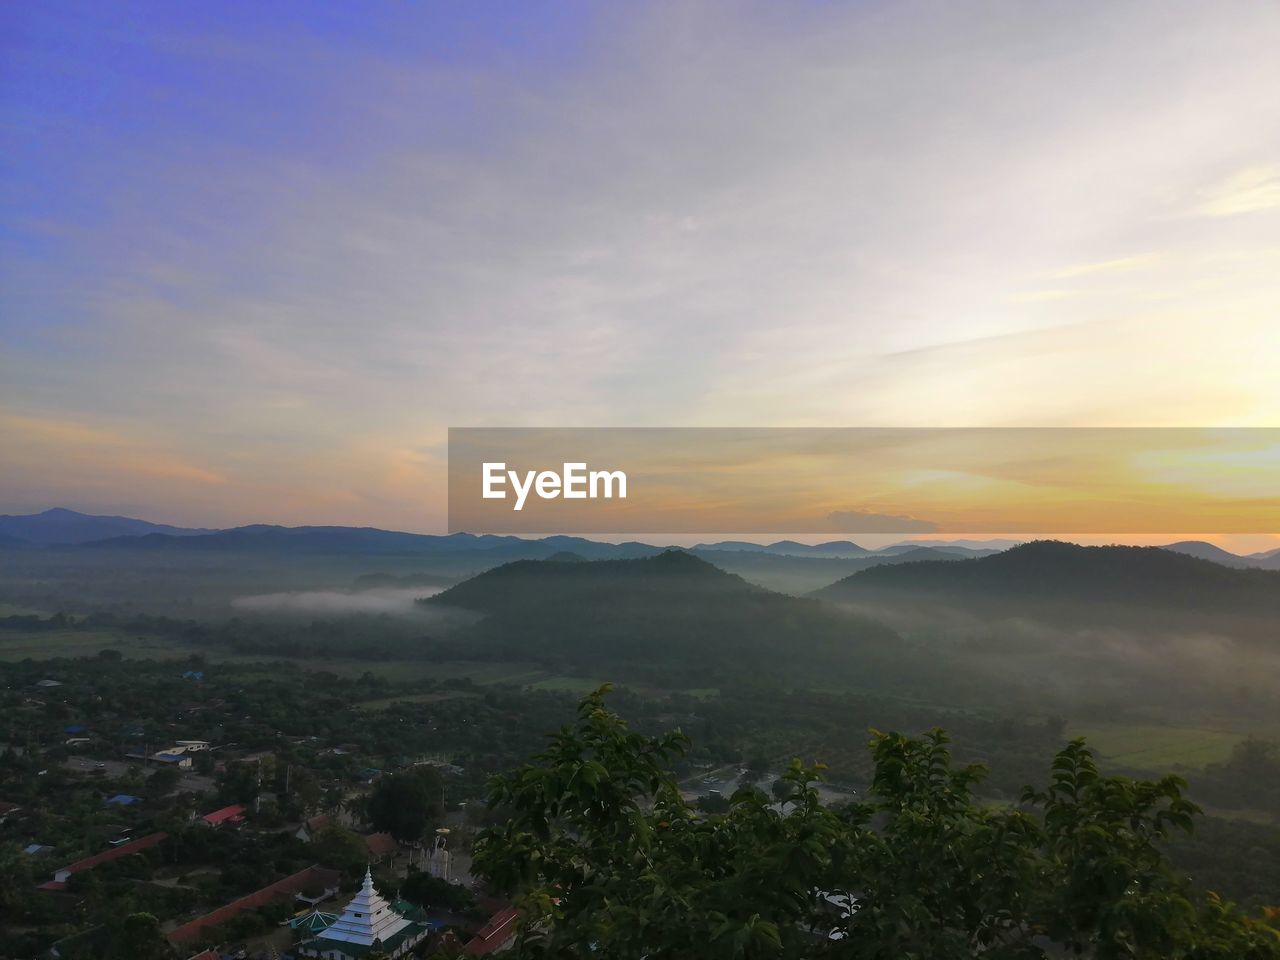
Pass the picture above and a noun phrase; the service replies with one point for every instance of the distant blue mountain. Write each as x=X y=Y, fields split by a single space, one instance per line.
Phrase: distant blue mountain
x=62 y=526
x=263 y=538
x=1209 y=551
x=791 y=548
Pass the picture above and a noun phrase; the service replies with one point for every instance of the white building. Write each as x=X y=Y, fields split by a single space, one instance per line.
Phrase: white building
x=368 y=921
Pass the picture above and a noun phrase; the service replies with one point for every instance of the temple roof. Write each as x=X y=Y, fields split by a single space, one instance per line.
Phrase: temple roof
x=314 y=922
x=368 y=917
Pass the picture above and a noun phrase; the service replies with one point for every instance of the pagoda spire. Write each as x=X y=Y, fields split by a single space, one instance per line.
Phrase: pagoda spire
x=367 y=918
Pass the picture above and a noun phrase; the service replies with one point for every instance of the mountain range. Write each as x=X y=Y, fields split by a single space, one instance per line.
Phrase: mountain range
x=1055 y=572
x=60 y=527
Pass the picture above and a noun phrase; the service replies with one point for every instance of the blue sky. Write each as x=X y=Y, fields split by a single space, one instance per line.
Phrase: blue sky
x=258 y=257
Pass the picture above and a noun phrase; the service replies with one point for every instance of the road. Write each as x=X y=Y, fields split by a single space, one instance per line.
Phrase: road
x=190 y=782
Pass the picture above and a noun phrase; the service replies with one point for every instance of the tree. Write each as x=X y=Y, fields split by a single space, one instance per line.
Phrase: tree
x=714 y=803
x=341 y=849
x=406 y=805
x=204 y=762
x=606 y=858
x=427 y=891
x=781 y=789
x=15 y=879
x=139 y=937
x=304 y=793
x=757 y=767
x=163 y=781
x=239 y=782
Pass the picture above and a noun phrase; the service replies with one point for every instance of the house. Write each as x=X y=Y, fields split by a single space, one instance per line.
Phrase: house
x=61 y=876
x=293 y=885
x=173 y=757
x=122 y=800
x=368 y=922
x=170 y=756
x=37 y=849
x=8 y=809
x=381 y=846
x=231 y=814
x=311 y=827
x=48 y=683
x=496 y=935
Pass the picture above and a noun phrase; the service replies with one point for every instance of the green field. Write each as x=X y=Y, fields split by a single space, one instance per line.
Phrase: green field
x=1157 y=749
x=702 y=693
x=579 y=685
x=439 y=697
x=17 y=645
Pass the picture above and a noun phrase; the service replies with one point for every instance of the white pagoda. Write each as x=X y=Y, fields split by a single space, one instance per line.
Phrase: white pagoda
x=369 y=922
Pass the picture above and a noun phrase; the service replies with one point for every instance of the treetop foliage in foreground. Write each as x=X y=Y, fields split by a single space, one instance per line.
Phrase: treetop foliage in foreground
x=607 y=859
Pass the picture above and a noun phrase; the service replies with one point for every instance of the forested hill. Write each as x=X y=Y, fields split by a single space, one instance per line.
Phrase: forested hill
x=672 y=617
x=673 y=575
x=1052 y=570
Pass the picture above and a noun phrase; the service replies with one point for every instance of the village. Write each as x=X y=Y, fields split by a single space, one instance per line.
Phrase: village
x=363 y=860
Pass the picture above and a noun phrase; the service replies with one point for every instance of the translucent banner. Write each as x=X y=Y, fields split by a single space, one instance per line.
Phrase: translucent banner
x=864 y=480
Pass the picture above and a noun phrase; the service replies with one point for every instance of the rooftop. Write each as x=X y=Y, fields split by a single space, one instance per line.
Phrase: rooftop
x=88 y=863
x=231 y=814
x=493 y=936
x=292 y=884
x=381 y=844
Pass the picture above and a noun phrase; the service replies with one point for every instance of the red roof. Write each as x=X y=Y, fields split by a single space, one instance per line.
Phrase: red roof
x=494 y=934
x=88 y=863
x=381 y=844
x=317 y=822
x=234 y=813
x=291 y=884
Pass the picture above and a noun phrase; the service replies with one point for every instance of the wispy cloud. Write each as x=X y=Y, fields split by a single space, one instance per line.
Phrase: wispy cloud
x=32 y=442
x=1118 y=265
x=1250 y=191
x=1044 y=296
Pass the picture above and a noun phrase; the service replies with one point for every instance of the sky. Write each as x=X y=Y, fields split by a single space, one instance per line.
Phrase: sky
x=255 y=259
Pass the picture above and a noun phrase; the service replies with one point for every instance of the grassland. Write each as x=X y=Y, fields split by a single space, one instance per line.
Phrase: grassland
x=1157 y=749
x=579 y=685
x=18 y=645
